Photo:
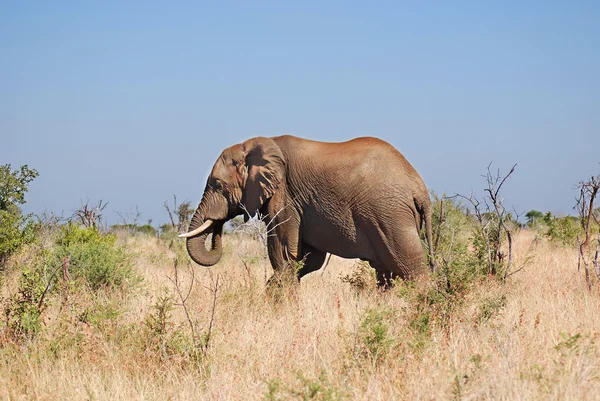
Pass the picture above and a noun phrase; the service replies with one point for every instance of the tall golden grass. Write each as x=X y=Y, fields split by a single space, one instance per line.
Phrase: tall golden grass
x=532 y=338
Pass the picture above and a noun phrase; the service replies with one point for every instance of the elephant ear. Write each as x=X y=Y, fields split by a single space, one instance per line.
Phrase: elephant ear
x=265 y=168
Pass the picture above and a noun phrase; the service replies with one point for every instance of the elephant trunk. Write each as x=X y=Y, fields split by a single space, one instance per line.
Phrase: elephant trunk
x=196 y=245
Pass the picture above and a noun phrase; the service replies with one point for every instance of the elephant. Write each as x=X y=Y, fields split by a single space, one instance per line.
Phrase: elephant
x=356 y=199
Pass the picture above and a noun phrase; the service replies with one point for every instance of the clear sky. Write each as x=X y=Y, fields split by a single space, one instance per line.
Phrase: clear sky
x=132 y=103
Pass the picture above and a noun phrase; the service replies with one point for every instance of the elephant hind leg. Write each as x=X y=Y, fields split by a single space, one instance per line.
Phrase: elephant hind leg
x=313 y=260
x=406 y=257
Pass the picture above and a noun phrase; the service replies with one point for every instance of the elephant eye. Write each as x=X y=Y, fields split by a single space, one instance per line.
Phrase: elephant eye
x=219 y=185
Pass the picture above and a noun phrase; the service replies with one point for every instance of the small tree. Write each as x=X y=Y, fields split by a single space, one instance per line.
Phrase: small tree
x=588 y=191
x=183 y=212
x=533 y=217
x=15 y=229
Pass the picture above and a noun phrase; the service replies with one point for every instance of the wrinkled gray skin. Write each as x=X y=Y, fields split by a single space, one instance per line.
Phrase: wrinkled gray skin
x=356 y=199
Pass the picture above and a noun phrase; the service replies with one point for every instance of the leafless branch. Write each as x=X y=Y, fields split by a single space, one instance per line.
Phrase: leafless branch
x=183 y=298
x=90 y=216
x=131 y=217
x=492 y=219
x=166 y=206
x=214 y=290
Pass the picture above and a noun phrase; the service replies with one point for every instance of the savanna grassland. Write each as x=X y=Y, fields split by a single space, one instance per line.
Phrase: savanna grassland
x=121 y=330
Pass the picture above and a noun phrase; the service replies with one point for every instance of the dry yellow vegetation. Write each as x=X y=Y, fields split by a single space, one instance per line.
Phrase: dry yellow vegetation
x=534 y=338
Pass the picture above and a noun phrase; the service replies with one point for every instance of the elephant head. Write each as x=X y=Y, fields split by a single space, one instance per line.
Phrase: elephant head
x=243 y=179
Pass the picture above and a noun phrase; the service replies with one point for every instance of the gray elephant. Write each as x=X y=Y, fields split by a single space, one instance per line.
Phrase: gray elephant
x=355 y=199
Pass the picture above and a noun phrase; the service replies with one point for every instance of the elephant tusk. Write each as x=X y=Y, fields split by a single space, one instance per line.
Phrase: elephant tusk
x=198 y=230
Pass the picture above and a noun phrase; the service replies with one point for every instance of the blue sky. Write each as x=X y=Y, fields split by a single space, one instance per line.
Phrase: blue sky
x=133 y=103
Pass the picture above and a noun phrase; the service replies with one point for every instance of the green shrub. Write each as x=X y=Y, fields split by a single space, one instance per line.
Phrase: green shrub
x=374 y=340
x=435 y=302
x=563 y=230
x=94 y=257
x=159 y=323
x=166 y=339
x=451 y=224
x=23 y=310
x=16 y=229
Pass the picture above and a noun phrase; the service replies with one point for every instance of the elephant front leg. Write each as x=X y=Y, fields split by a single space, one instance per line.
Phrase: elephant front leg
x=283 y=250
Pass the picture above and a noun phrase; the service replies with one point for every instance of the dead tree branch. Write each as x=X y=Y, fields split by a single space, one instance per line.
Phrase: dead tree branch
x=493 y=191
x=90 y=216
x=588 y=192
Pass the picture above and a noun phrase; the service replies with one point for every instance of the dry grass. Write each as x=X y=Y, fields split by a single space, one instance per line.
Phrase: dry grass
x=535 y=337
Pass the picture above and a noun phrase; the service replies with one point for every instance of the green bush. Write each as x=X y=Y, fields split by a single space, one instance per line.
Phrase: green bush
x=94 y=257
x=373 y=338
x=23 y=310
x=564 y=230
x=435 y=302
x=16 y=229
x=451 y=224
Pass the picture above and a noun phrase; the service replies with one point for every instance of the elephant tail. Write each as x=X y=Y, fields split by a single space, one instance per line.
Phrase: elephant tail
x=425 y=210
